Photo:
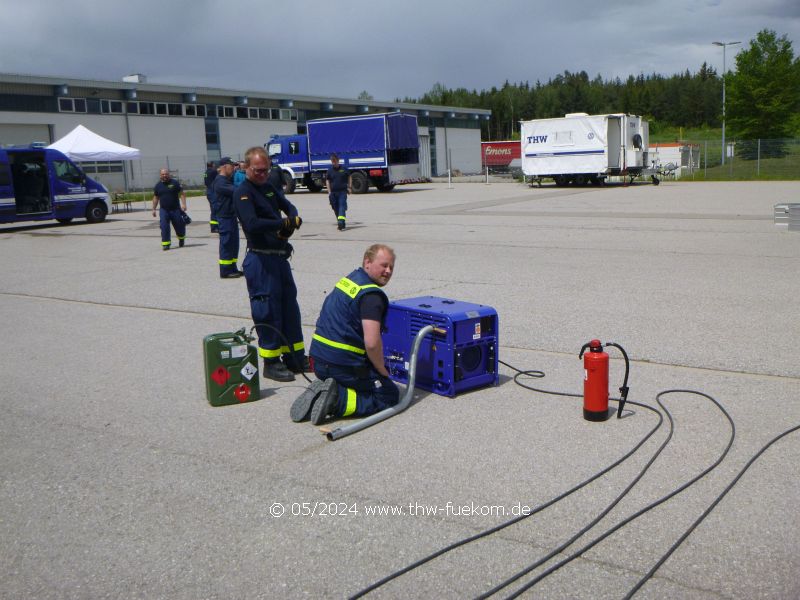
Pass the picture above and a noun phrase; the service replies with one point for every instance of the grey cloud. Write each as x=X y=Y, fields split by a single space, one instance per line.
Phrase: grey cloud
x=397 y=50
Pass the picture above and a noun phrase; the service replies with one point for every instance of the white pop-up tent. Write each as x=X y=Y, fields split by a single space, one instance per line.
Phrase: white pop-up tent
x=82 y=144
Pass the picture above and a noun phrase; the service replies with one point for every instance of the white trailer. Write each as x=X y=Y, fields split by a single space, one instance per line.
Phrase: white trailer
x=581 y=148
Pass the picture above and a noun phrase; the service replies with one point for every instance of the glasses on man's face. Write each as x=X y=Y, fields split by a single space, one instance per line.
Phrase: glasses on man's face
x=259 y=171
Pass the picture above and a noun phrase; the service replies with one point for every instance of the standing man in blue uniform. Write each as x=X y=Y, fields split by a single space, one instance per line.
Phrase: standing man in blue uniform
x=270 y=284
x=208 y=180
x=226 y=216
x=339 y=183
x=168 y=193
x=276 y=176
x=347 y=349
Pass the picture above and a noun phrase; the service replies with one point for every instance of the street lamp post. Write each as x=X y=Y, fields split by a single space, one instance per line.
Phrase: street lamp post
x=724 y=45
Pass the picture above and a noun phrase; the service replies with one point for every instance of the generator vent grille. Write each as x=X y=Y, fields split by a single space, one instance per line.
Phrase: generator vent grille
x=418 y=321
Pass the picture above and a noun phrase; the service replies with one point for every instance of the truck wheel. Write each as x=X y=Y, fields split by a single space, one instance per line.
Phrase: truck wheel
x=313 y=184
x=385 y=187
x=579 y=180
x=360 y=184
x=288 y=182
x=96 y=212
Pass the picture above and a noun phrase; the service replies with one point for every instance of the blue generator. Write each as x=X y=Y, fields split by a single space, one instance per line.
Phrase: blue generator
x=462 y=358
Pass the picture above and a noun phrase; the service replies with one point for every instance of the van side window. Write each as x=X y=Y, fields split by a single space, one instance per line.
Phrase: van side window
x=66 y=171
x=5 y=174
x=294 y=148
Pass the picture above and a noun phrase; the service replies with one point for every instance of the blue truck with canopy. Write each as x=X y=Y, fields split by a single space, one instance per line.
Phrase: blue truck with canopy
x=380 y=150
x=39 y=184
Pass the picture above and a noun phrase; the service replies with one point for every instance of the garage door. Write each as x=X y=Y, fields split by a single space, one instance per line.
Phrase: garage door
x=13 y=134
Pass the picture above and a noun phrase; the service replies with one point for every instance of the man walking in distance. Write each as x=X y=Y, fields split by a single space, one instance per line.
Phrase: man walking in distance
x=339 y=183
x=270 y=284
x=168 y=192
x=226 y=216
x=347 y=349
x=208 y=180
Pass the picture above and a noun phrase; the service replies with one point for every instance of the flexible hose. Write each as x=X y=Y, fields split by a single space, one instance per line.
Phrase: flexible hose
x=623 y=391
x=341 y=432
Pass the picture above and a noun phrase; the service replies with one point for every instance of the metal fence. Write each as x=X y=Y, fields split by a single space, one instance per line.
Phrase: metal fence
x=744 y=160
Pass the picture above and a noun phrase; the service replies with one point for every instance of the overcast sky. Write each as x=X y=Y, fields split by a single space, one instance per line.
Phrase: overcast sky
x=389 y=49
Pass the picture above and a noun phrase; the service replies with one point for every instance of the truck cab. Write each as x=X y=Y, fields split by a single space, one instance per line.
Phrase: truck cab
x=38 y=184
x=290 y=152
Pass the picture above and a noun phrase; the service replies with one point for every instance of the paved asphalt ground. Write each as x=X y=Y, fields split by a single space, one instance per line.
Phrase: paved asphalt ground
x=119 y=480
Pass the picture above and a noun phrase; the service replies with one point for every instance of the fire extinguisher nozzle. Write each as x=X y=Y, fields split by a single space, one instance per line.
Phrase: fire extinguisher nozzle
x=623 y=396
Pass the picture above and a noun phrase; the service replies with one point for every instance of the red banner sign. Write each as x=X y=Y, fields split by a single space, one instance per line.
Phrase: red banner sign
x=499 y=154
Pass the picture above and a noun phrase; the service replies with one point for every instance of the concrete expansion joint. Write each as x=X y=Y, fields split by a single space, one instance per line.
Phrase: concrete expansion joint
x=645 y=361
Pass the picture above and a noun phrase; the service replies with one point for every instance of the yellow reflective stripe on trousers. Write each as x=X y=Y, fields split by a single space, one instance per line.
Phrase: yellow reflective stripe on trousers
x=351 y=403
x=232 y=261
x=264 y=353
x=339 y=345
x=295 y=348
x=351 y=288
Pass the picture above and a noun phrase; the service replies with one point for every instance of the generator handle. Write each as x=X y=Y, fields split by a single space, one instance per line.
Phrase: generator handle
x=400 y=406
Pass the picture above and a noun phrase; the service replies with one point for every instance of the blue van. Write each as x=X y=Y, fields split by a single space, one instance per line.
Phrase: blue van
x=37 y=184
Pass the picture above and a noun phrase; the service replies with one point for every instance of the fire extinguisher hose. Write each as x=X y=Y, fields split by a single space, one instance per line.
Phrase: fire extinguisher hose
x=623 y=391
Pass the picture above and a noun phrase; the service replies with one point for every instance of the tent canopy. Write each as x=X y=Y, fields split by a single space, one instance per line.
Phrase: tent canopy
x=82 y=144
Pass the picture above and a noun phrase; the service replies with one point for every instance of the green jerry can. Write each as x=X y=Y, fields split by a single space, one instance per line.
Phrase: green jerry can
x=231 y=364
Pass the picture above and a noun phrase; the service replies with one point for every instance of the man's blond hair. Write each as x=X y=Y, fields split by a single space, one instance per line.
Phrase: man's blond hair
x=373 y=250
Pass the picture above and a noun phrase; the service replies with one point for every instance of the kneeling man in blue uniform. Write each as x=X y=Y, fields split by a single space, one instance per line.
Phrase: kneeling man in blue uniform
x=347 y=349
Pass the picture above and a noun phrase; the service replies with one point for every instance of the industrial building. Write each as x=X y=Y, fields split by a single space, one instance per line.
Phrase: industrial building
x=183 y=127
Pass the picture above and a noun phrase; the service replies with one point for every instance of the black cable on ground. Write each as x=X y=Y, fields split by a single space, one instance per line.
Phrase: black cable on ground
x=637 y=514
x=535 y=374
x=495 y=529
x=593 y=522
x=711 y=507
x=664 y=558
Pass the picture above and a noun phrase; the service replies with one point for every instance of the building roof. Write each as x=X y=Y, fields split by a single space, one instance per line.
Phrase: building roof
x=283 y=97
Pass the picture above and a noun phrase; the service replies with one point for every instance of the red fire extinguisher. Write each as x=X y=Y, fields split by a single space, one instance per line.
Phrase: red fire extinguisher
x=595 y=381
